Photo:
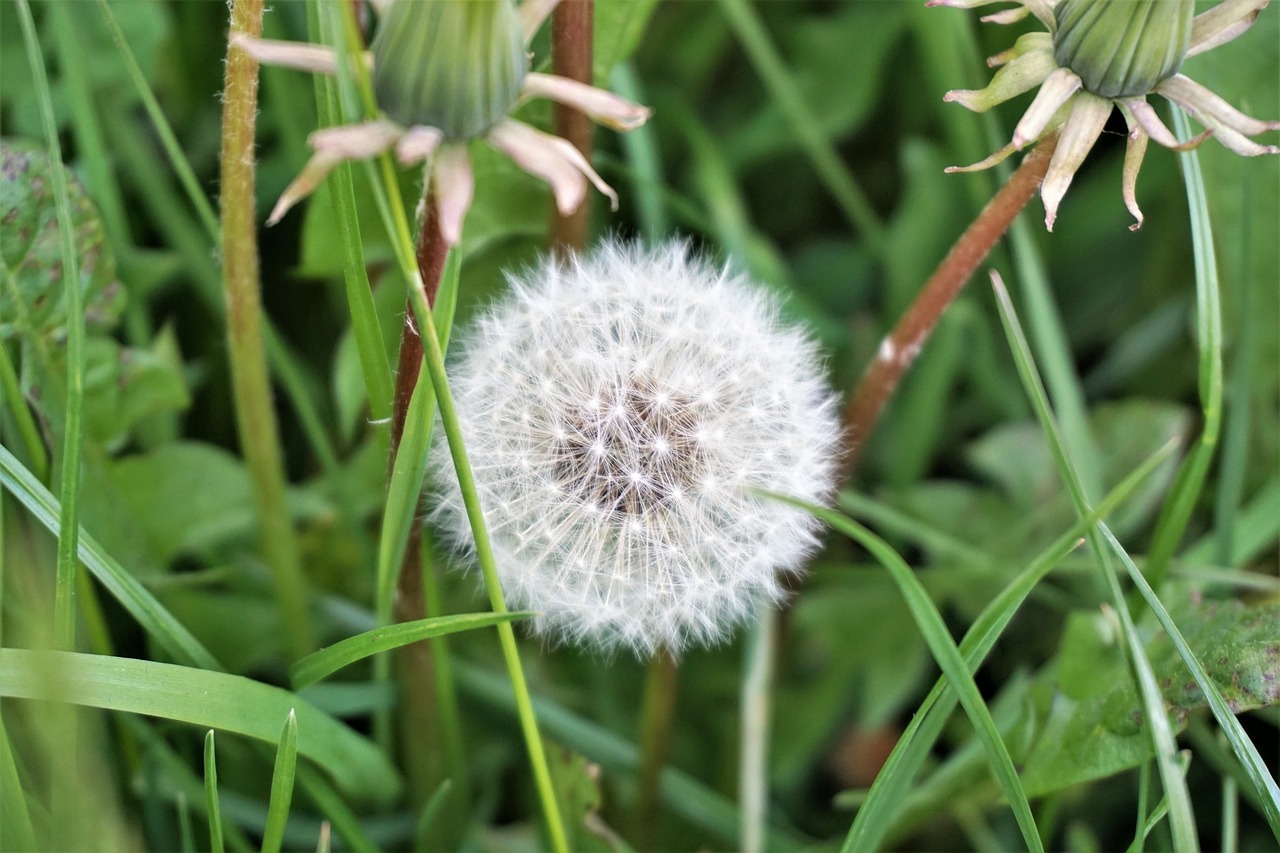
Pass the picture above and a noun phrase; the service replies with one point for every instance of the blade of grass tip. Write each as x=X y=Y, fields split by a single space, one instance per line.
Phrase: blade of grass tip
x=281 y=785
x=890 y=788
x=1244 y=749
x=1144 y=794
x=429 y=812
x=213 y=810
x=839 y=181
x=948 y=657
x=1185 y=493
x=168 y=141
x=319 y=665
x=150 y=614
x=73 y=437
x=641 y=150
x=1182 y=817
x=322 y=845
x=757 y=701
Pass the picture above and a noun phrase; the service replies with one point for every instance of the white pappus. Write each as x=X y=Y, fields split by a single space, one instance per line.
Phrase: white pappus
x=622 y=413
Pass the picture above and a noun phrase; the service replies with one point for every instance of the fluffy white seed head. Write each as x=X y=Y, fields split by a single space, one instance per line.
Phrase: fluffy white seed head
x=621 y=414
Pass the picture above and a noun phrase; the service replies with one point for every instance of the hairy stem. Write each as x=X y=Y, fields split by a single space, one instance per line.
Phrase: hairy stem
x=251 y=387
x=901 y=346
x=572 y=34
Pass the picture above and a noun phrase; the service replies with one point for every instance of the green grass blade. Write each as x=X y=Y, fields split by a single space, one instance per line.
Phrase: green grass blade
x=319 y=665
x=168 y=140
x=1185 y=494
x=22 y=416
x=207 y=699
x=429 y=812
x=123 y=586
x=344 y=821
x=1244 y=749
x=282 y=775
x=949 y=659
x=641 y=148
x=16 y=830
x=892 y=784
x=213 y=810
x=1054 y=352
x=839 y=181
x=1181 y=815
x=64 y=620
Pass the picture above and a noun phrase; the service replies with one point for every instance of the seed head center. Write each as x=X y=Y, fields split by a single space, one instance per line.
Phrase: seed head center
x=630 y=449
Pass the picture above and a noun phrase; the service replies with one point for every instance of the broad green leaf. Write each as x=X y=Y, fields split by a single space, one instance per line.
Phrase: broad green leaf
x=577 y=784
x=619 y=26
x=1096 y=727
x=202 y=698
x=31 y=249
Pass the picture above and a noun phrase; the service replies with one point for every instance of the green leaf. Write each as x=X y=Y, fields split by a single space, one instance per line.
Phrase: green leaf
x=577 y=785
x=1096 y=727
x=31 y=249
x=206 y=699
x=325 y=662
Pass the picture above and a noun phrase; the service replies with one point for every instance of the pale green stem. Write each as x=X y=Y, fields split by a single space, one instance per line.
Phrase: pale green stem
x=255 y=416
x=757 y=702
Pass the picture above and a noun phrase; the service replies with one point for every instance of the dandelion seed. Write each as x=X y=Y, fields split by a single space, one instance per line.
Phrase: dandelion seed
x=624 y=503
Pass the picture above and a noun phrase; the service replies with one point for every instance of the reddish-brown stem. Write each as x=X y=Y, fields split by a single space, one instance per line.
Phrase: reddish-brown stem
x=901 y=346
x=572 y=34
x=420 y=717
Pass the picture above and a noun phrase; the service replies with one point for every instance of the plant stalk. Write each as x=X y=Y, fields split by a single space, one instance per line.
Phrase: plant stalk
x=251 y=387
x=900 y=347
x=572 y=36
x=656 y=716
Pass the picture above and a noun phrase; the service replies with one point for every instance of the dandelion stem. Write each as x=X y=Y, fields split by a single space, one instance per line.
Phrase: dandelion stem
x=901 y=346
x=572 y=35
x=656 y=715
x=251 y=387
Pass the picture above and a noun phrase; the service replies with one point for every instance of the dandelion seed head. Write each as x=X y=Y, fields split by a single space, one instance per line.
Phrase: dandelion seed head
x=649 y=398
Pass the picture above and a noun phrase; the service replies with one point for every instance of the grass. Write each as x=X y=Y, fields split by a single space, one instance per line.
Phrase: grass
x=162 y=688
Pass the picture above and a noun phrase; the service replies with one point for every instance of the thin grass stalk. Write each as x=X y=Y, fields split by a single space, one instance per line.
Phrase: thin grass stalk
x=251 y=386
x=901 y=346
x=1189 y=482
x=64 y=621
x=891 y=786
x=1182 y=816
x=657 y=713
x=757 y=712
x=572 y=40
x=22 y=417
x=434 y=357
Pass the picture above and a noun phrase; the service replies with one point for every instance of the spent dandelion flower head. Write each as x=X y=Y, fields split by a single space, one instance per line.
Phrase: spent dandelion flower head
x=1100 y=54
x=625 y=414
x=446 y=72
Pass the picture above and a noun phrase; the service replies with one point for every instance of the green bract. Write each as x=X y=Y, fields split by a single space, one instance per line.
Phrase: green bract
x=1122 y=48
x=453 y=66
